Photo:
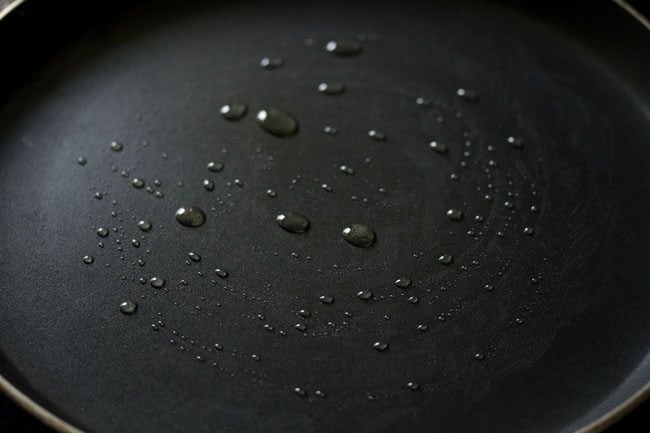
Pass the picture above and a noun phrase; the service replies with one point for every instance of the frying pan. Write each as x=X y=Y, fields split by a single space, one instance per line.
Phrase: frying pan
x=527 y=308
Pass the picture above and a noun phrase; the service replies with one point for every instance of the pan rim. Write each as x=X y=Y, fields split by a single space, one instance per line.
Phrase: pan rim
x=57 y=423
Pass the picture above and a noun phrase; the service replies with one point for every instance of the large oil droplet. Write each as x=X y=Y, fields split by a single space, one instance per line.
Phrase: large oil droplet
x=364 y=295
x=88 y=259
x=102 y=232
x=128 y=307
x=331 y=88
x=234 y=111
x=157 y=282
x=137 y=182
x=344 y=47
x=380 y=346
x=293 y=222
x=359 y=235
x=277 y=122
x=190 y=216
x=455 y=214
x=116 y=146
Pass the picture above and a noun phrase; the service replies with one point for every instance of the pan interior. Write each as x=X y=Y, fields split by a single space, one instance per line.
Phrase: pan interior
x=522 y=231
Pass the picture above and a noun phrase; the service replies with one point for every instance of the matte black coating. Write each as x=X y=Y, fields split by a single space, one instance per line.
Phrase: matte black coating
x=573 y=86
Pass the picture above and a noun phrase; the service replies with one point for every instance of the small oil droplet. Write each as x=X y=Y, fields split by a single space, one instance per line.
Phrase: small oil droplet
x=467 y=94
x=529 y=231
x=326 y=299
x=194 y=257
x=359 y=235
x=116 y=146
x=214 y=166
x=440 y=148
x=277 y=122
x=331 y=88
x=81 y=160
x=234 y=111
x=446 y=259
x=455 y=214
x=271 y=62
x=190 y=216
x=221 y=273
x=300 y=391
x=413 y=386
x=208 y=184
x=102 y=232
x=403 y=282
x=292 y=222
x=377 y=135
x=88 y=259
x=137 y=183
x=128 y=307
x=516 y=142
x=344 y=47
x=144 y=225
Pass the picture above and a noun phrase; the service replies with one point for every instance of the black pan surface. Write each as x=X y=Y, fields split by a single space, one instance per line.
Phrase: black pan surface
x=538 y=324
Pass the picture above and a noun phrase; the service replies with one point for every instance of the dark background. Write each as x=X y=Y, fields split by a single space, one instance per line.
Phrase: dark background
x=14 y=419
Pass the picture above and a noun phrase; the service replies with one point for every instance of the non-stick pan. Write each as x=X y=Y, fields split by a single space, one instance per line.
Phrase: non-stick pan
x=325 y=217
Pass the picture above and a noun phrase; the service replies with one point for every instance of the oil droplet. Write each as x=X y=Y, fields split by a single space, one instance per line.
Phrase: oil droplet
x=214 y=166
x=509 y=204
x=467 y=94
x=304 y=313
x=326 y=299
x=157 y=282
x=364 y=295
x=277 y=122
x=256 y=357
x=413 y=386
x=346 y=169
x=376 y=135
x=529 y=231
x=300 y=327
x=479 y=356
x=137 y=182
x=116 y=146
x=190 y=216
x=194 y=257
x=479 y=218
x=380 y=346
x=344 y=47
x=128 y=307
x=422 y=101
x=233 y=111
x=300 y=391
x=446 y=259
x=403 y=282
x=238 y=182
x=271 y=193
x=414 y=299
x=102 y=232
x=319 y=393
x=359 y=235
x=518 y=143
x=144 y=225
x=88 y=259
x=327 y=188
x=440 y=148
x=81 y=160
x=208 y=184
x=221 y=273
x=330 y=130
x=455 y=214
x=271 y=62
x=422 y=327
x=98 y=195
x=331 y=88
x=293 y=223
